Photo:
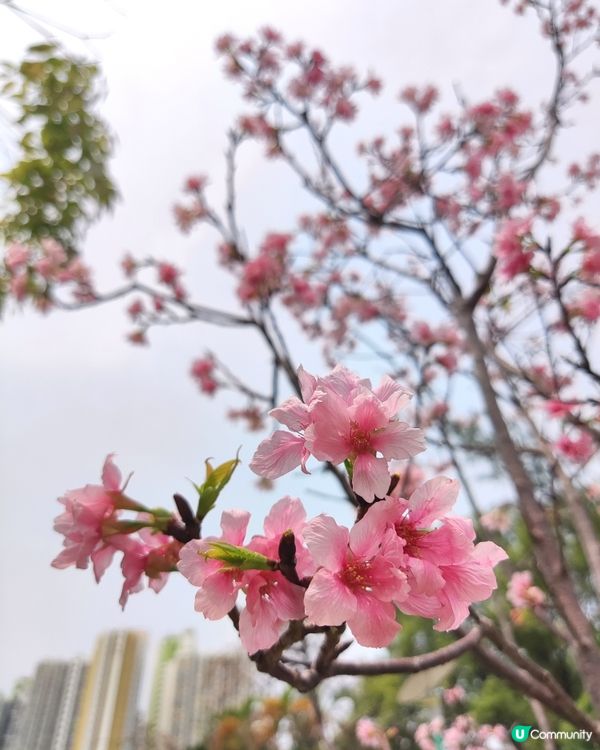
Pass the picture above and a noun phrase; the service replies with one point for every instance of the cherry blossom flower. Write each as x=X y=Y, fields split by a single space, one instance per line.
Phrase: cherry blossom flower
x=577 y=447
x=358 y=580
x=369 y=734
x=446 y=571
x=86 y=519
x=271 y=600
x=152 y=554
x=218 y=585
x=522 y=593
x=341 y=418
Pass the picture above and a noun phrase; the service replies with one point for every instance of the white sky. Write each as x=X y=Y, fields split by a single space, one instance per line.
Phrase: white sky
x=72 y=389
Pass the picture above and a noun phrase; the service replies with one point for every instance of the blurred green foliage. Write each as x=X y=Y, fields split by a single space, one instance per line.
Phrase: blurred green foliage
x=60 y=181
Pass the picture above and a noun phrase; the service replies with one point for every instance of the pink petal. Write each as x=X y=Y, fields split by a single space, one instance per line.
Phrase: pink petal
x=277 y=455
x=101 y=559
x=343 y=382
x=386 y=582
x=398 y=440
x=287 y=599
x=366 y=534
x=234 y=524
x=393 y=396
x=111 y=476
x=452 y=542
x=287 y=513
x=327 y=436
x=433 y=500
x=216 y=596
x=192 y=565
x=370 y=477
x=292 y=413
x=374 y=622
x=368 y=412
x=327 y=542
x=308 y=383
x=426 y=577
x=327 y=600
x=261 y=634
x=489 y=553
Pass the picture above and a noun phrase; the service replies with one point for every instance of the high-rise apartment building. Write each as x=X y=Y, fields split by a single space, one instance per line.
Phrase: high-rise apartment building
x=43 y=710
x=189 y=689
x=107 y=713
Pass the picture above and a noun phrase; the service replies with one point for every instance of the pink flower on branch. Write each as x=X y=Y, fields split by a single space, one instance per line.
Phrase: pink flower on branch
x=89 y=519
x=152 y=554
x=521 y=591
x=446 y=571
x=358 y=581
x=341 y=418
x=271 y=600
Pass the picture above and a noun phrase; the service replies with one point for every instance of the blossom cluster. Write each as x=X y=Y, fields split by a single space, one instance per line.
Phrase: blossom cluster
x=31 y=272
x=95 y=529
x=403 y=553
x=341 y=418
x=462 y=734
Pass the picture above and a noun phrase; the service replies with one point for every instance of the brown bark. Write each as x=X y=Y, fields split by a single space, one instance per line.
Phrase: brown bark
x=546 y=547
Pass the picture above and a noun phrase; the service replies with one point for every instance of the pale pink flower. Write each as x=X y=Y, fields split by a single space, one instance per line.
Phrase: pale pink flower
x=152 y=554
x=218 y=585
x=588 y=305
x=341 y=417
x=16 y=255
x=522 y=593
x=454 y=695
x=271 y=600
x=369 y=734
x=358 y=580
x=87 y=510
x=497 y=519
x=19 y=285
x=446 y=571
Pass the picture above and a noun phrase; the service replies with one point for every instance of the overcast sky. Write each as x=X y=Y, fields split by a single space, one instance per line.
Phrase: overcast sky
x=72 y=389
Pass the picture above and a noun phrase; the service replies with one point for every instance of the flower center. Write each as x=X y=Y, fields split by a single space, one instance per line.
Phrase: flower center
x=360 y=439
x=411 y=535
x=357 y=574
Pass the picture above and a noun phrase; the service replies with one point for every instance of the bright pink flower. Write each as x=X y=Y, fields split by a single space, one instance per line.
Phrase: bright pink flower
x=511 y=247
x=522 y=593
x=341 y=417
x=578 y=449
x=168 y=274
x=358 y=581
x=557 y=408
x=88 y=511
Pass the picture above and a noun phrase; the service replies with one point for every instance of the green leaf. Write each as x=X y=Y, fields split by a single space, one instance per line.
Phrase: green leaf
x=216 y=480
x=238 y=558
